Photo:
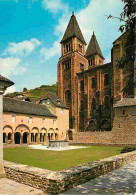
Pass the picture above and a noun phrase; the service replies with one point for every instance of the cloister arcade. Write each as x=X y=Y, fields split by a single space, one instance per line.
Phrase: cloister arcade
x=23 y=135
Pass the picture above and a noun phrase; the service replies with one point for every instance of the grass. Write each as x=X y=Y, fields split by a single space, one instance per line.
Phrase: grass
x=54 y=160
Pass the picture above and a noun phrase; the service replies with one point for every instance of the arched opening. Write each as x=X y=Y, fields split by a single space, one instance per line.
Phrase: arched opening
x=92 y=125
x=36 y=136
x=56 y=136
x=106 y=80
x=17 y=138
x=4 y=138
x=41 y=137
x=70 y=135
x=32 y=137
x=9 y=136
x=44 y=135
x=93 y=104
x=105 y=125
x=25 y=138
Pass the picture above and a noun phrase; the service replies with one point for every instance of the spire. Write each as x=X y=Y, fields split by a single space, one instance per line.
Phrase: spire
x=93 y=47
x=73 y=30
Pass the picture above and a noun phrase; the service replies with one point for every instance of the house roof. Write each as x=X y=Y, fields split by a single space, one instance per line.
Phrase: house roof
x=125 y=102
x=23 y=107
x=4 y=79
x=73 y=30
x=93 y=47
x=54 y=99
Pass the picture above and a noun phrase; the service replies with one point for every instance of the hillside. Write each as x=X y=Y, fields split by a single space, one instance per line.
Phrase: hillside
x=36 y=93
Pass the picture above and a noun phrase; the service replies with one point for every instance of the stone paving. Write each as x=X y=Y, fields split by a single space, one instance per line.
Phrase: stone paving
x=10 y=187
x=120 y=182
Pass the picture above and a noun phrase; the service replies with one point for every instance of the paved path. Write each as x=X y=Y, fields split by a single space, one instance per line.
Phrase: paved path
x=120 y=182
x=10 y=187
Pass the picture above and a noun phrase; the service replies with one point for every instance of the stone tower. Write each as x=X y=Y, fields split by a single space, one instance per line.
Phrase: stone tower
x=71 y=62
x=93 y=53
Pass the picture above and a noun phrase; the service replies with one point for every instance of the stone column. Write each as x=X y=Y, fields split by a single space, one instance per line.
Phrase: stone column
x=38 y=138
x=2 y=173
x=21 y=139
x=29 y=138
x=12 y=138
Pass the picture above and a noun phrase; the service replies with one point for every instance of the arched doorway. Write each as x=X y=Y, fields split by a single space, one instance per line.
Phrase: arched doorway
x=25 y=138
x=4 y=138
x=17 y=138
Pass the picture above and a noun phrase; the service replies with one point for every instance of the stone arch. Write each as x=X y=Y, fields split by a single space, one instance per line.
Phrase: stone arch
x=35 y=130
x=7 y=129
x=43 y=131
x=22 y=129
x=50 y=134
x=92 y=125
x=105 y=125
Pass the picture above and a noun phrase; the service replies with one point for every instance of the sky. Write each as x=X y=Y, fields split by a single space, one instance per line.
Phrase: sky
x=31 y=31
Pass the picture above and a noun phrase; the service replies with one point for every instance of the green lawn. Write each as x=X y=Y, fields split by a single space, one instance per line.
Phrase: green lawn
x=54 y=160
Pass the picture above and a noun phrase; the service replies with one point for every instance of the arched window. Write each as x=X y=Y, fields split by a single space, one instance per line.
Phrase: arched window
x=82 y=105
x=93 y=82
x=82 y=85
x=68 y=97
x=93 y=104
x=106 y=80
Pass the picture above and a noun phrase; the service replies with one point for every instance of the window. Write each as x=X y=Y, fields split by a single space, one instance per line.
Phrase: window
x=43 y=102
x=13 y=118
x=68 y=97
x=80 y=47
x=93 y=82
x=30 y=119
x=106 y=80
x=54 y=121
x=81 y=67
x=123 y=112
x=90 y=62
x=67 y=65
x=62 y=110
x=43 y=120
x=93 y=104
x=82 y=85
x=68 y=47
x=48 y=101
x=81 y=105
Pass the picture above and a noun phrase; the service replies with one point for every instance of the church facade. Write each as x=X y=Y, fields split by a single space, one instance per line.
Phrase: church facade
x=92 y=88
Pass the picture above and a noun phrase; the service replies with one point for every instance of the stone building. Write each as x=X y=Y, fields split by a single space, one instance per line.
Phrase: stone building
x=27 y=122
x=89 y=87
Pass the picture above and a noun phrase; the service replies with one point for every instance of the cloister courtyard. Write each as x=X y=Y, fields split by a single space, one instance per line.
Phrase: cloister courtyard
x=58 y=160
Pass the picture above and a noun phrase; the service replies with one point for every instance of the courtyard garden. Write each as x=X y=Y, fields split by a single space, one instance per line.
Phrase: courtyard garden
x=58 y=160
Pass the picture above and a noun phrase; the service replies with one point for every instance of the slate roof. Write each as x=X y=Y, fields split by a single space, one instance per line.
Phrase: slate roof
x=125 y=102
x=23 y=107
x=54 y=99
x=6 y=80
x=93 y=47
x=73 y=30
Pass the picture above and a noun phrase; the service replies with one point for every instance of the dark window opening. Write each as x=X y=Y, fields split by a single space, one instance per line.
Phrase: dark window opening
x=107 y=101
x=123 y=112
x=82 y=85
x=68 y=97
x=68 y=47
x=80 y=47
x=93 y=104
x=90 y=62
x=81 y=105
x=67 y=65
x=93 y=82
x=106 y=80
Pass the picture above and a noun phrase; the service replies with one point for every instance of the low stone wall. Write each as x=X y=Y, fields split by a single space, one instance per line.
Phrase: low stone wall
x=56 y=182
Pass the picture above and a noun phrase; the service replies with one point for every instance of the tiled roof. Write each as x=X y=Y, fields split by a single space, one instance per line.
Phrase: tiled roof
x=6 y=80
x=54 y=99
x=23 y=107
x=73 y=30
x=93 y=47
x=125 y=102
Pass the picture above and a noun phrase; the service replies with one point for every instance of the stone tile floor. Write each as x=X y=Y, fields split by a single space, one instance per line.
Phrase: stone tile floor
x=10 y=187
x=120 y=182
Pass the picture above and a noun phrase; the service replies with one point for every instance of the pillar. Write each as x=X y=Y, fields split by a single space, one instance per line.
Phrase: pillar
x=38 y=138
x=21 y=139
x=12 y=138
x=29 y=138
x=2 y=172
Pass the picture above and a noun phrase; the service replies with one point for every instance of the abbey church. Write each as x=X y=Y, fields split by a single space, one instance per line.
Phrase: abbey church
x=100 y=112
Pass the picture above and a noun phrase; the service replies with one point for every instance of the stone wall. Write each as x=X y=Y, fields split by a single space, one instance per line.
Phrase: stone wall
x=56 y=182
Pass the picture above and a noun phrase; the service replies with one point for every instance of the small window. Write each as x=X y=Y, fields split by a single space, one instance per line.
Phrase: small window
x=93 y=82
x=80 y=47
x=123 y=112
x=62 y=110
x=54 y=121
x=30 y=119
x=13 y=118
x=43 y=120
x=93 y=104
x=67 y=65
x=43 y=102
x=81 y=67
x=106 y=80
x=82 y=85
x=48 y=101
